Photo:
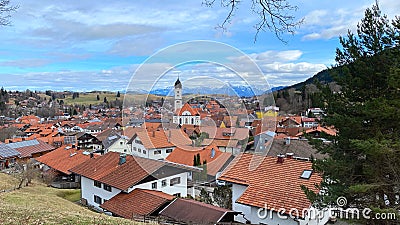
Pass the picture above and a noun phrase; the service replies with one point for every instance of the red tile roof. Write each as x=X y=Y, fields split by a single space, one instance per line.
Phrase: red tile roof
x=139 y=202
x=34 y=147
x=185 y=156
x=187 y=107
x=106 y=169
x=64 y=158
x=318 y=129
x=214 y=164
x=163 y=139
x=191 y=211
x=271 y=184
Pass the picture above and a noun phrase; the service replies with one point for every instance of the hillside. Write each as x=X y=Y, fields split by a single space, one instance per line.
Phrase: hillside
x=307 y=94
x=38 y=204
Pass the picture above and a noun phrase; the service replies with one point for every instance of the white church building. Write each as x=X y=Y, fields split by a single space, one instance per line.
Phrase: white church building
x=184 y=114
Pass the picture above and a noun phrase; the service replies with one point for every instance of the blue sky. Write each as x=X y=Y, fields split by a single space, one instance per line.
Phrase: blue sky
x=97 y=45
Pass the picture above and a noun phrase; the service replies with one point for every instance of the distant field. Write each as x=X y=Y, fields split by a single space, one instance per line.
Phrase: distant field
x=91 y=98
x=39 y=204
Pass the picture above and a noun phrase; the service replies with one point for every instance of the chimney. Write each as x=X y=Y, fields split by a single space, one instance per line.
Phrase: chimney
x=169 y=136
x=287 y=140
x=192 y=143
x=91 y=155
x=122 y=159
x=289 y=155
x=73 y=146
x=154 y=133
x=78 y=148
x=281 y=158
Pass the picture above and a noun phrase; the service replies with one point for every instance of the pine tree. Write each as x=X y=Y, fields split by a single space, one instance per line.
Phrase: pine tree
x=364 y=162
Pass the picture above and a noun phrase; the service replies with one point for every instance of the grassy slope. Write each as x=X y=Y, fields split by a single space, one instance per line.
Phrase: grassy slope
x=38 y=204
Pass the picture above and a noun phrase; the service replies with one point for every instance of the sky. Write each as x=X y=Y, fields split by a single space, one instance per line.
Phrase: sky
x=101 y=45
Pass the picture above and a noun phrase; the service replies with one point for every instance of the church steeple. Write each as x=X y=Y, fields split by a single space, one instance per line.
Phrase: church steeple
x=178 y=95
x=178 y=84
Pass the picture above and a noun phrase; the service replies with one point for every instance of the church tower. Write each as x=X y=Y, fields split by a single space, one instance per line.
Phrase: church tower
x=178 y=94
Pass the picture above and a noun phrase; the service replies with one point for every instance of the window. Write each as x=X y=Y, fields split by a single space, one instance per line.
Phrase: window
x=134 y=148
x=163 y=183
x=138 y=142
x=306 y=174
x=173 y=181
x=97 y=199
x=144 y=152
x=168 y=150
x=154 y=185
x=157 y=152
x=177 y=195
x=97 y=184
x=107 y=187
x=124 y=150
x=139 y=150
x=121 y=143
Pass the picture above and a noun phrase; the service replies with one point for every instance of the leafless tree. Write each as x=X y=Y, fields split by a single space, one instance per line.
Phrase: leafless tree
x=274 y=15
x=25 y=173
x=5 y=10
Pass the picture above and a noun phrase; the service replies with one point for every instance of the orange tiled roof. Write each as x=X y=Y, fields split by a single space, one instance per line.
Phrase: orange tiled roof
x=187 y=107
x=185 y=157
x=163 y=139
x=318 y=129
x=139 y=202
x=271 y=184
x=62 y=159
x=107 y=170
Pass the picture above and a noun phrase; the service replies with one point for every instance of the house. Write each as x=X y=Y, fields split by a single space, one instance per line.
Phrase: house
x=262 y=141
x=88 y=141
x=318 y=132
x=187 y=115
x=139 y=204
x=116 y=143
x=7 y=156
x=216 y=160
x=291 y=121
x=104 y=177
x=309 y=122
x=268 y=190
x=233 y=137
x=157 y=144
x=31 y=149
x=189 y=211
x=60 y=161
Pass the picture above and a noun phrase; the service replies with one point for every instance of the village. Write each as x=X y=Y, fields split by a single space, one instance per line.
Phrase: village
x=201 y=165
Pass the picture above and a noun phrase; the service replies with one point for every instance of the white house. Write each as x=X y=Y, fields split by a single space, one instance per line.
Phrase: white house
x=117 y=143
x=157 y=144
x=187 y=115
x=267 y=190
x=309 y=122
x=108 y=175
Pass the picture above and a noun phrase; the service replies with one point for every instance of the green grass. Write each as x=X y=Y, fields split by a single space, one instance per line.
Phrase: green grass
x=72 y=195
x=91 y=98
x=39 y=204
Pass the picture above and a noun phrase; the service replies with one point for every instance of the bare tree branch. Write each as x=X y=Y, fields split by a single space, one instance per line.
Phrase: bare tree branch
x=274 y=15
x=5 y=10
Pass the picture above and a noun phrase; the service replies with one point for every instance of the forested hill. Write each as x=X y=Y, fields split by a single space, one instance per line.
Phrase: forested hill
x=324 y=77
x=307 y=94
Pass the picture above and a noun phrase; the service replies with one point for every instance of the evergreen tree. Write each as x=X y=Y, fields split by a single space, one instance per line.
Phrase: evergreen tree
x=223 y=196
x=98 y=98
x=118 y=94
x=364 y=162
x=205 y=197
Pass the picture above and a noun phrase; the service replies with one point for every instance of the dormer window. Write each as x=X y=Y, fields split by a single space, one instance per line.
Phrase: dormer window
x=306 y=174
